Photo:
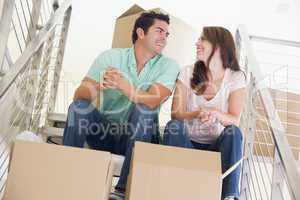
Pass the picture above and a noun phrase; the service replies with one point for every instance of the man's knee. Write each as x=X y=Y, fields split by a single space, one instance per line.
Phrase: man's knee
x=79 y=113
x=143 y=111
x=143 y=117
x=81 y=105
x=143 y=123
x=174 y=126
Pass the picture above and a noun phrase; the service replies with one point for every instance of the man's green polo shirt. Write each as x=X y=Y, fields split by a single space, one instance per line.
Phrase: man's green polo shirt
x=160 y=69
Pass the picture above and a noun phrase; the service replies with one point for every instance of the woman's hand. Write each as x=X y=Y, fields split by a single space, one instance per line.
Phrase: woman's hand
x=208 y=115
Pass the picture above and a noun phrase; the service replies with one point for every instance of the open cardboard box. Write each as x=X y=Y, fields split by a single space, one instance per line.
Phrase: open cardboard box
x=40 y=171
x=162 y=172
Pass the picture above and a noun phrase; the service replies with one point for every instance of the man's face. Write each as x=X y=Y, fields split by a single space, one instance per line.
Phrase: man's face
x=156 y=38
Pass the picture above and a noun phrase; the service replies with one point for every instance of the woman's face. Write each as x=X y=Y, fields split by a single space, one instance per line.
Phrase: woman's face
x=204 y=49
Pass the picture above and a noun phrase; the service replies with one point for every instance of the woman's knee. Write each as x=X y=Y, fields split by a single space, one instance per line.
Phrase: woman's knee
x=175 y=134
x=233 y=131
x=175 y=129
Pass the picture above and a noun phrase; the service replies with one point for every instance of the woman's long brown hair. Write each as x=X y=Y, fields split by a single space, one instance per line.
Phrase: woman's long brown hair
x=221 y=38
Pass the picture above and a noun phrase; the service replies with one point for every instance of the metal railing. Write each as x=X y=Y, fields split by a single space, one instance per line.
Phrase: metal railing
x=270 y=169
x=33 y=35
x=65 y=95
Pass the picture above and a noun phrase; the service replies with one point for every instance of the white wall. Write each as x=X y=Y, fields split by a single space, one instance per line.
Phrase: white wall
x=92 y=23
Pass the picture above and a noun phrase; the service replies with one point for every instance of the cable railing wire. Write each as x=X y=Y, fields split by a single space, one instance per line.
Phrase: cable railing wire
x=16 y=35
x=264 y=164
x=20 y=23
x=30 y=14
x=25 y=19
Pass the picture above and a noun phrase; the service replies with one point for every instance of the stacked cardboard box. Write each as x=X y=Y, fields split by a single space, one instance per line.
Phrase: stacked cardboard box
x=181 y=41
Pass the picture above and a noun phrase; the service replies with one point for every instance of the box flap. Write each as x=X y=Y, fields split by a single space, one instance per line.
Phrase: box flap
x=133 y=10
x=45 y=171
x=159 y=10
x=179 y=157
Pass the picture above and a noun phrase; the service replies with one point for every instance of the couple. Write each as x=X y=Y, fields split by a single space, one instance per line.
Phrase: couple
x=118 y=101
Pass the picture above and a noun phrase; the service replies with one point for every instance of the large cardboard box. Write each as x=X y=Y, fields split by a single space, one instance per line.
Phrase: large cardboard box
x=162 y=172
x=52 y=172
x=181 y=41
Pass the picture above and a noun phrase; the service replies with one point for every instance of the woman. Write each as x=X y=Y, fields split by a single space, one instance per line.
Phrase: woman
x=208 y=103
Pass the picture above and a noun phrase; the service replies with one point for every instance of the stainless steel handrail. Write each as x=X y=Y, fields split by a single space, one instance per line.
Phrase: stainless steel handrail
x=33 y=46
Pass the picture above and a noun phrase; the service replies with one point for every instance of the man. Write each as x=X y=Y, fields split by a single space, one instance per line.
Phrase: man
x=128 y=85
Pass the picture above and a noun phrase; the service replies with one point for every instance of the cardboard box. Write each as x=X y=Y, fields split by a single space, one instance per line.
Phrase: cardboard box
x=162 y=172
x=52 y=172
x=181 y=41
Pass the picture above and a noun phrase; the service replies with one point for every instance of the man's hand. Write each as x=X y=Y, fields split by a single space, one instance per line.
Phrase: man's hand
x=88 y=89
x=100 y=87
x=113 y=79
x=153 y=97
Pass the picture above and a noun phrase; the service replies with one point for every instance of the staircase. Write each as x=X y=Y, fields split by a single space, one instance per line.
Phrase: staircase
x=55 y=124
x=29 y=80
x=32 y=41
x=270 y=123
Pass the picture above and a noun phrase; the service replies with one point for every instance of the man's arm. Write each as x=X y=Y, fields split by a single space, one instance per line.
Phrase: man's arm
x=91 y=84
x=152 y=98
x=88 y=90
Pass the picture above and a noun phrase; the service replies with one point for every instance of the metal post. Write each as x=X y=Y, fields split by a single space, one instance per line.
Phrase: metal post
x=250 y=125
x=36 y=60
x=35 y=16
x=42 y=86
x=277 y=179
x=44 y=79
x=58 y=66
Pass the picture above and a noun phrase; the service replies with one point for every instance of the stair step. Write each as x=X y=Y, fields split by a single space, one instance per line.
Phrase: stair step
x=57 y=117
x=118 y=163
x=52 y=131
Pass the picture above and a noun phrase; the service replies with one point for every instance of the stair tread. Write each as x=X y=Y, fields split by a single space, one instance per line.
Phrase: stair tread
x=58 y=117
x=53 y=131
